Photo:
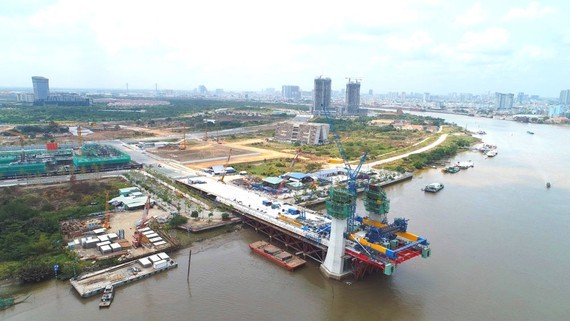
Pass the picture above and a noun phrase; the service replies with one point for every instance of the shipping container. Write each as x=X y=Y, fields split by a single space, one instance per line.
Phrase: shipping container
x=106 y=249
x=155 y=239
x=164 y=256
x=159 y=243
x=100 y=244
x=154 y=258
x=99 y=231
x=116 y=247
x=91 y=244
x=113 y=236
x=103 y=238
x=145 y=262
x=160 y=264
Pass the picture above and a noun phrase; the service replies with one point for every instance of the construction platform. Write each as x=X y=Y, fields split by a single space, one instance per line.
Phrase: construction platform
x=308 y=232
x=93 y=283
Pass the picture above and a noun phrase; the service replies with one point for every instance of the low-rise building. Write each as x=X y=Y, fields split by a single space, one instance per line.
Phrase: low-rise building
x=302 y=133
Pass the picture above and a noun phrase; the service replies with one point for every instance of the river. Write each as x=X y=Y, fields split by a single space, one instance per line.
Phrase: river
x=499 y=242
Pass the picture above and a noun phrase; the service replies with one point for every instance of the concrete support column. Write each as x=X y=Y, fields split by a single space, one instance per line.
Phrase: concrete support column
x=333 y=267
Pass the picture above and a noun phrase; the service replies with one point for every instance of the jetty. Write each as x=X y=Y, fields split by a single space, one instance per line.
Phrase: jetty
x=93 y=283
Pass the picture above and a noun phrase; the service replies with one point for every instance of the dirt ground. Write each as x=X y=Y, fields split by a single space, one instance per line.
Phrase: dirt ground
x=198 y=151
x=125 y=220
x=243 y=145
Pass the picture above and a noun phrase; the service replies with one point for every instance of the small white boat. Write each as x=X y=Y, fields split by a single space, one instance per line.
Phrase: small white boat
x=433 y=187
x=492 y=153
x=465 y=164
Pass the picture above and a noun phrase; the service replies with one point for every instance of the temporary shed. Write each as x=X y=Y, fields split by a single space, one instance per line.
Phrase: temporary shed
x=145 y=262
x=116 y=247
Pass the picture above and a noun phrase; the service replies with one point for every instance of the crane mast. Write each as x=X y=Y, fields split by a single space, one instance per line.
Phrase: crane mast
x=349 y=209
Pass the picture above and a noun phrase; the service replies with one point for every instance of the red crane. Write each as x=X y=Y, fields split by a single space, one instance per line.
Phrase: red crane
x=280 y=188
x=226 y=166
x=141 y=224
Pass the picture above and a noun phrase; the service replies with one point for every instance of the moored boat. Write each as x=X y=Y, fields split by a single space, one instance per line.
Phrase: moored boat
x=433 y=187
x=528 y=131
x=491 y=153
x=451 y=169
x=107 y=297
x=465 y=164
x=277 y=255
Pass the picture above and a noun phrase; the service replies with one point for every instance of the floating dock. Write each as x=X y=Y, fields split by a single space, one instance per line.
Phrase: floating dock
x=95 y=282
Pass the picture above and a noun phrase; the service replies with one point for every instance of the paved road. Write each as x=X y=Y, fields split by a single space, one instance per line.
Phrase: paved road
x=440 y=140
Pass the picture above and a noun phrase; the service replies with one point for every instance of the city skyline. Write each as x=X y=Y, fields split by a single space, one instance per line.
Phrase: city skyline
x=431 y=46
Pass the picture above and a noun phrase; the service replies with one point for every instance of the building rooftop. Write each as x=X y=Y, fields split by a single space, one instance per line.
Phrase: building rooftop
x=273 y=180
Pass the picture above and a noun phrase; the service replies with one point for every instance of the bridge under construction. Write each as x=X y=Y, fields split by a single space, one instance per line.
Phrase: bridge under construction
x=372 y=244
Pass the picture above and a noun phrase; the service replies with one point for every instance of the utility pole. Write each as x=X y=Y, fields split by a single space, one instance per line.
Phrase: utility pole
x=189 y=261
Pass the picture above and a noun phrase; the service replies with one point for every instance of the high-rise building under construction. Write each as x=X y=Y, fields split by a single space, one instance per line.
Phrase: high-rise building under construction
x=321 y=95
x=352 y=97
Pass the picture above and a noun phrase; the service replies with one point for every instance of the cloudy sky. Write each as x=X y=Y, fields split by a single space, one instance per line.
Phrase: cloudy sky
x=436 y=46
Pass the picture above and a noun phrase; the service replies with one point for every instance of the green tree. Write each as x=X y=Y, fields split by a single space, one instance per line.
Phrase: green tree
x=178 y=220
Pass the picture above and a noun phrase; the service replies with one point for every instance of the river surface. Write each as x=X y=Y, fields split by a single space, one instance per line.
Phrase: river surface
x=500 y=251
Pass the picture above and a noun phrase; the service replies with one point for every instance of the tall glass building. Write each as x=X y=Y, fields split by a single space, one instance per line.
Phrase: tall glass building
x=41 y=88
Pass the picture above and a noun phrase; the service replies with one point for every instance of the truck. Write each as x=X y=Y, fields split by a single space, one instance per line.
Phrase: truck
x=293 y=211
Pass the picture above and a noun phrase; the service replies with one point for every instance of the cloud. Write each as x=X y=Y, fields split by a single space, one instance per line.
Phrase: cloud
x=488 y=47
x=415 y=42
x=532 y=11
x=474 y=16
x=487 y=41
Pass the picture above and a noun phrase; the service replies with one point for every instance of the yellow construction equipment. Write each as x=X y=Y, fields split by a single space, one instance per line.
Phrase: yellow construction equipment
x=80 y=137
x=107 y=214
x=21 y=137
x=226 y=166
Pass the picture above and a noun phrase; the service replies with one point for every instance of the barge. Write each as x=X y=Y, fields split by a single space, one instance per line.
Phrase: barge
x=93 y=283
x=277 y=255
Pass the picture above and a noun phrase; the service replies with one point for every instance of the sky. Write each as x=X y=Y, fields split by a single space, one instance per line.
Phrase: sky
x=435 y=46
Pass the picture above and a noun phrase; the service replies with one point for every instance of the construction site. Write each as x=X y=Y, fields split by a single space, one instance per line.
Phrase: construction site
x=54 y=159
x=126 y=229
x=344 y=242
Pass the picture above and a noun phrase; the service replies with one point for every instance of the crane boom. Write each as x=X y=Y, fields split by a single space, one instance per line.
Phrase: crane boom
x=145 y=212
x=280 y=188
x=107 y=214
x=226 y=166
x=183 y=143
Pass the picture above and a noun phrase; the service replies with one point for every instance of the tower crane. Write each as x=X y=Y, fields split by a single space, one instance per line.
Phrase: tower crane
x=21 y=138
x=351 y=173
x=226 y=166
x=80 y=137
